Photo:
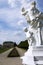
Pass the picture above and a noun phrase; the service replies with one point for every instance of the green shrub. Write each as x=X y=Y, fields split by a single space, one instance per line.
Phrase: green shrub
x=14 y=53
x=23 y=44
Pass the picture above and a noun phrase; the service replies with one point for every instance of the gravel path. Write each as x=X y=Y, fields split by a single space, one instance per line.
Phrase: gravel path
x=20 y=51
x=4 y=60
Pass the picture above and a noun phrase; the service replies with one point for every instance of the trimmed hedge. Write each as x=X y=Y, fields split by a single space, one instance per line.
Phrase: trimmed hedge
x=14 y=53
x=23 y=44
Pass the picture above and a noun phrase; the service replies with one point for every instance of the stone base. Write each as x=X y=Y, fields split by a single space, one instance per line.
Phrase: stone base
x=33 y=56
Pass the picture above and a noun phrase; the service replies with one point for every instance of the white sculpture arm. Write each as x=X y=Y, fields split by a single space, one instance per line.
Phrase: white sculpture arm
x=25 y=13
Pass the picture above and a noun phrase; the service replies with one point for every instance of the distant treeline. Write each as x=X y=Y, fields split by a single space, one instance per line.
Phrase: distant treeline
x=22 y=44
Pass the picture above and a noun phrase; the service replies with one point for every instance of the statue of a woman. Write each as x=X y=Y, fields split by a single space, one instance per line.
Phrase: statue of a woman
x=33 y=18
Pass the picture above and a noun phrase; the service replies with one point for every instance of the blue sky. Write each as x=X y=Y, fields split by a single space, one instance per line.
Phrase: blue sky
x=11 y=20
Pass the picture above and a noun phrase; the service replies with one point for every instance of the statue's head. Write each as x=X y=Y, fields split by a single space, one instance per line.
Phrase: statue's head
x=33 y=4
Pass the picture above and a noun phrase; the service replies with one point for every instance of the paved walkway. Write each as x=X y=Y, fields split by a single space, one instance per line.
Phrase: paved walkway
x=4 y=60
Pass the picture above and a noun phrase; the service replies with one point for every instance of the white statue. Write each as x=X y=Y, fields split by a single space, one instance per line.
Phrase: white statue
x=33 y=18
x=33 y=33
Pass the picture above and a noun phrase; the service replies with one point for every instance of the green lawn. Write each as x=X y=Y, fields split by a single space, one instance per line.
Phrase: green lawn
x=3 y=49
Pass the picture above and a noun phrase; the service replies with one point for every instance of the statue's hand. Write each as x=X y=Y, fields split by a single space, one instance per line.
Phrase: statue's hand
x=24 y=12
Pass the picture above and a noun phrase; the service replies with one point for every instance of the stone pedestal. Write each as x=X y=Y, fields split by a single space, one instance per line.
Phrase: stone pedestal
x=28 y=57
x=33 y=56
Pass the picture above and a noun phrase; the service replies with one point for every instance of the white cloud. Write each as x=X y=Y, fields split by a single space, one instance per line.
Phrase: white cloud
x=10 y=16
x=11 y=3
x=10 y=35
x=20 y=22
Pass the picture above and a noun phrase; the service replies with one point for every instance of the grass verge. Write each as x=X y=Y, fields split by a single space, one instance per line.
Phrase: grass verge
x=3 y=49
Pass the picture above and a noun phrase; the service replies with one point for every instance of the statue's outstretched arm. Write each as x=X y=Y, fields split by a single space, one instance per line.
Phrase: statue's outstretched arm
x=25 y=13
